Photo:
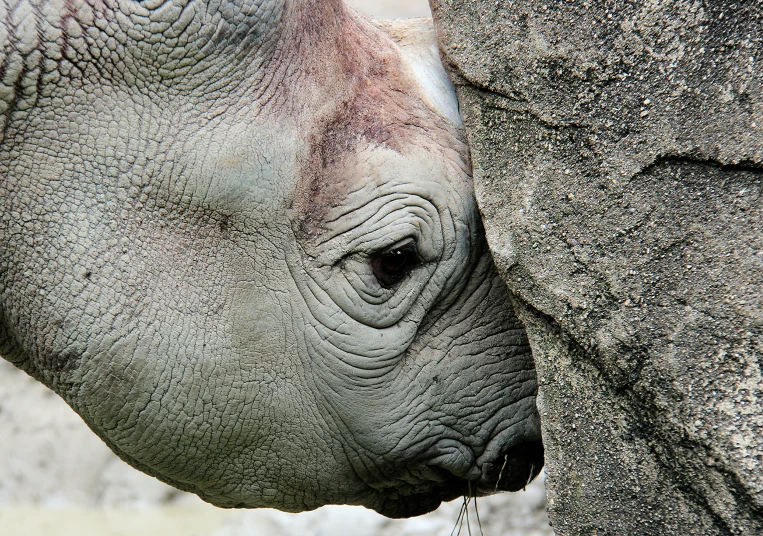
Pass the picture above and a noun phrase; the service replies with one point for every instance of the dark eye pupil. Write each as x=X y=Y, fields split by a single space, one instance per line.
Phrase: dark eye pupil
x=395 y=261
x=391 y=267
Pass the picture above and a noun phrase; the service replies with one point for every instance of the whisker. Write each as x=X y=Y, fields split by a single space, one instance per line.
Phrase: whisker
x=476 y=511
x=466 y=505
x=529 y=477
x=459 y=519
x=466 y=514
x=500 y=474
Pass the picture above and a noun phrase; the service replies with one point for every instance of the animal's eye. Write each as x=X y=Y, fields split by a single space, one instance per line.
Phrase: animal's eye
x=391 y=266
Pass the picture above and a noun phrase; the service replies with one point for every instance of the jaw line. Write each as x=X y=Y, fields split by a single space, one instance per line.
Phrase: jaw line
x=402 y=506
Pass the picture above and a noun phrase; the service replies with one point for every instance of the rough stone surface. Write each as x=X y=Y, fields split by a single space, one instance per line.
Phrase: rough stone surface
x=617 y=154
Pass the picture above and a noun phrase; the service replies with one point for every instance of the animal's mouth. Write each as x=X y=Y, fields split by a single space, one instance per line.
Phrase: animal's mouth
x=513 y=471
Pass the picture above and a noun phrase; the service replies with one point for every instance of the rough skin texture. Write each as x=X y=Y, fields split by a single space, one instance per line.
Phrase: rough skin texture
x=203 y=207
x=618 y=149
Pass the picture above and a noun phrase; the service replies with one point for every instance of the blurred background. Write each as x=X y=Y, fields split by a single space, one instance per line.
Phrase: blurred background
x=392 y=9
x=58 y=478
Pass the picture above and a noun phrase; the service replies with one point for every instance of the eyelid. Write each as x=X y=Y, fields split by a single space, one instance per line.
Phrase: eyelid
x=410 y=241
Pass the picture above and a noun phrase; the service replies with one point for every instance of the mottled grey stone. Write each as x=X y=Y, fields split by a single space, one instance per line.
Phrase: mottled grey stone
x=618 y=151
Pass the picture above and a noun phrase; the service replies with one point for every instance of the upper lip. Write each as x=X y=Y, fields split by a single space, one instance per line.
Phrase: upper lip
x=515 y=466
x=444 y=485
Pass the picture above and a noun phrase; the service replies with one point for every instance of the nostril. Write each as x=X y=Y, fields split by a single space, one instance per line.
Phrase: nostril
x=519 y=466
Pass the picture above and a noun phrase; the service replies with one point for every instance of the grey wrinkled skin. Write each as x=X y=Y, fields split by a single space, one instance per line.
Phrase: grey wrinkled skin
x=193 y=199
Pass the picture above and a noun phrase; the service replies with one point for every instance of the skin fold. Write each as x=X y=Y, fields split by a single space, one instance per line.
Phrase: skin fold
x=240 y=240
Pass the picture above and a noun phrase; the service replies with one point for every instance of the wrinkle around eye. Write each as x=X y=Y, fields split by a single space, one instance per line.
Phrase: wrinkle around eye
x=360 y=280
x=339 y=259
x=374 y=294
x=389 y=199
x=357 y=341
x=357 y=299
x=355 y=223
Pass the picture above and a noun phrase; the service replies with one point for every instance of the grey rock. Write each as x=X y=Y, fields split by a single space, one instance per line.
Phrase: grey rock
x=617 y=155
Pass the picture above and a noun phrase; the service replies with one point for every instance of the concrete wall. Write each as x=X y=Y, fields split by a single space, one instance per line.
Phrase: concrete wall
x=618 y=153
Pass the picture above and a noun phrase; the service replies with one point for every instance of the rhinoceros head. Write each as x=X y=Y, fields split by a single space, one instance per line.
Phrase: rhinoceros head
x=240 y=239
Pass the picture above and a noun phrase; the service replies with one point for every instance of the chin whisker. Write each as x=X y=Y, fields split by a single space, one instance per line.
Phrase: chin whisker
x=463 y=513
x=476 y=510
x=466 y=507
x=459 y=520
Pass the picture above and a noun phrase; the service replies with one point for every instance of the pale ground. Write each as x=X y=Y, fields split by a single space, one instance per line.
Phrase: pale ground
x=57 y=478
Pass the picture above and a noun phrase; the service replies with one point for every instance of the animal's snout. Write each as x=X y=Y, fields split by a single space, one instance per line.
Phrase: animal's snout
x=518 y=466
